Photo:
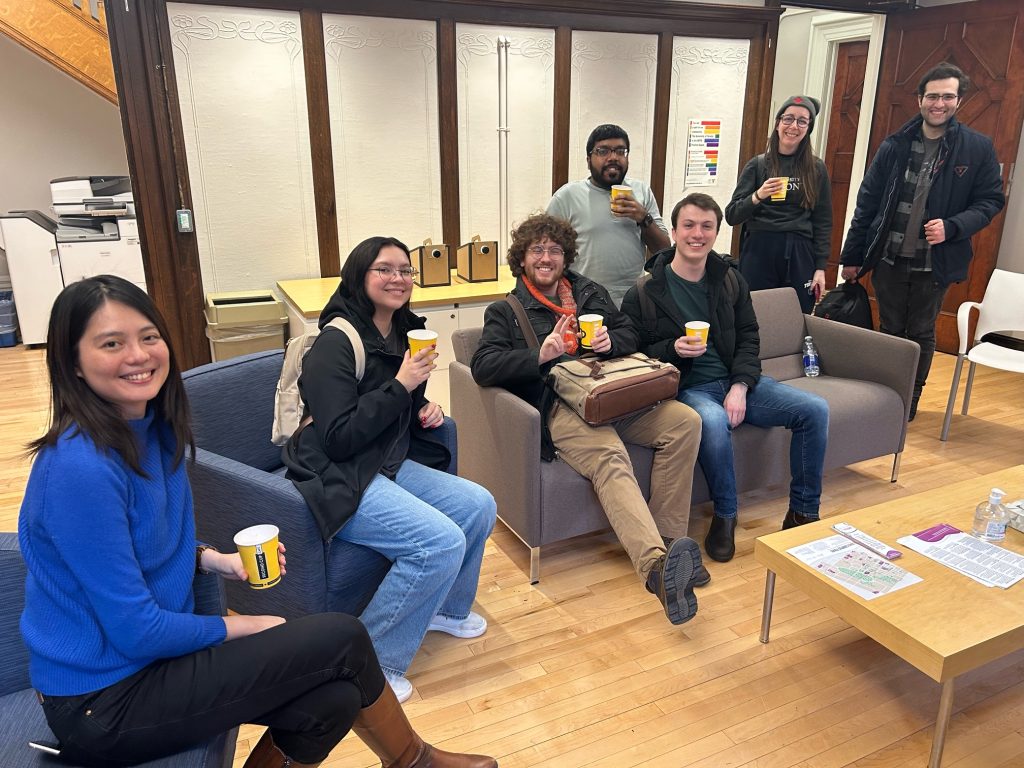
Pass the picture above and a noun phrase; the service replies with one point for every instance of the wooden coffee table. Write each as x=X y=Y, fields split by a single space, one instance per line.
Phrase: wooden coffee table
x=947 y=624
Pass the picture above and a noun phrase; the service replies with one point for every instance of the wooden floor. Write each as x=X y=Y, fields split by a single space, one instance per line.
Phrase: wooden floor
x=584 y=670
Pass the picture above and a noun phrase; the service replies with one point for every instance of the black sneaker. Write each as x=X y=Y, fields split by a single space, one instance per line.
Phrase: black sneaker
x=672 y=579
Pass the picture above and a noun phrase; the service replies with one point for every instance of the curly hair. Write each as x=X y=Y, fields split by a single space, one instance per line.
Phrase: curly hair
x=535 y=229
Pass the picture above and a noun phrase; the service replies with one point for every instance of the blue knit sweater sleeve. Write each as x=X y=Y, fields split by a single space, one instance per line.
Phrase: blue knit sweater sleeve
x=111 y=557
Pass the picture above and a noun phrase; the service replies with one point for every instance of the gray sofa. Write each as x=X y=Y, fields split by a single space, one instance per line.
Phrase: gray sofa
x=867 y=379
x=21 y=717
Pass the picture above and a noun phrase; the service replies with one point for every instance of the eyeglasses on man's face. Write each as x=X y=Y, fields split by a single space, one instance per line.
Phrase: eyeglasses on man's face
x=539 y=250
x=605 y=151
x=802 y=122
x=945 y=98
x=388 y=273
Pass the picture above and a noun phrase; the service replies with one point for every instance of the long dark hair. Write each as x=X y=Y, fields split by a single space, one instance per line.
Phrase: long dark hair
x=353 y=279
x=804 y=161
x=74 y=405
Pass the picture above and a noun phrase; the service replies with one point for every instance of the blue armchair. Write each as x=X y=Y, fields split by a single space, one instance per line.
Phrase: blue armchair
x=238 y=480
x=21 y=716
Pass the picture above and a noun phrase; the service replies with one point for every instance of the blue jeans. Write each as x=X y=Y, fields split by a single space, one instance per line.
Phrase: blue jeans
x=769 y=404
x=433 y=527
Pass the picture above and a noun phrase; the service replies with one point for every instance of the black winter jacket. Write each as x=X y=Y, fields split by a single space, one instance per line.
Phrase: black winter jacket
x=966 y=193
x=734 y=330
x=504 y=359
x=355 y=423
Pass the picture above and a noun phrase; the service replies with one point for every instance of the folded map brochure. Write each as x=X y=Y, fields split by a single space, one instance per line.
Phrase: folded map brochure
x=858 y=569
x=982 y=561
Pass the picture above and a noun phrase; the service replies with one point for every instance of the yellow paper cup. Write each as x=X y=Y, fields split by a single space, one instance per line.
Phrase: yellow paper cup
x=781 y=194
x=421 y=339
x=589 y=325
x=698 y=328
x=620 y=190
x=258 y=547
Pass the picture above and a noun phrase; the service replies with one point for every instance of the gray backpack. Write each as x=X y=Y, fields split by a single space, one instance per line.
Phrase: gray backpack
x=289 y=410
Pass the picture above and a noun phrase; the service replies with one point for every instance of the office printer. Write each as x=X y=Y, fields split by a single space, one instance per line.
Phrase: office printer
x=95 y=233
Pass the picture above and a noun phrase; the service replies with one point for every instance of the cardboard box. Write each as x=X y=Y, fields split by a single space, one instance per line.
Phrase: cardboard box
x=431 y=261
x=477 y=261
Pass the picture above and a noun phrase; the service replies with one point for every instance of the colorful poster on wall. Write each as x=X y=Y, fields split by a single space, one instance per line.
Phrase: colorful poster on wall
x=702 y=153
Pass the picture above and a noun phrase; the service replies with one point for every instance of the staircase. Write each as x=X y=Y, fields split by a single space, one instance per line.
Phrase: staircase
x=70 y=34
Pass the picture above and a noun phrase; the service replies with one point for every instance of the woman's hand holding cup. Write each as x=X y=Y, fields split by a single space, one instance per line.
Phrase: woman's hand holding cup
x=416 y=368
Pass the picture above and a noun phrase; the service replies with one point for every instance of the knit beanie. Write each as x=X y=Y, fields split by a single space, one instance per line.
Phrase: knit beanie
x=809 y=103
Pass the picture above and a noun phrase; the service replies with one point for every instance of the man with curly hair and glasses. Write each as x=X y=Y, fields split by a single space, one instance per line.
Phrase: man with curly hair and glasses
x=612 y=234
x=653 y=534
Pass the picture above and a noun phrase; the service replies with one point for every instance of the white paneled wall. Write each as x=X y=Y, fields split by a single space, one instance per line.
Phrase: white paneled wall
x=242 y=91
x=382 y=90
x=613 y=81
x=531 y=108
x=708 y=82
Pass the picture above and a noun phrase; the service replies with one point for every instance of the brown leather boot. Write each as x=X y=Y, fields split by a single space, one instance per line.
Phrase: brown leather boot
x=386 y=730
x=266 y=755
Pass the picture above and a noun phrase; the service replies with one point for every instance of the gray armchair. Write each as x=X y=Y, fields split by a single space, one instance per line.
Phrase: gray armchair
x=867 y=379
x=238 y=480
x=21 y=716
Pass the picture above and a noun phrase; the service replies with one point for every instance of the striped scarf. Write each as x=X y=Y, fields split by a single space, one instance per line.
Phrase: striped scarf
x=571 y=337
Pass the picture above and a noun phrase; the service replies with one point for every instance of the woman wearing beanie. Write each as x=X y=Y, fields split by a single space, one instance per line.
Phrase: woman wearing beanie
x=784 y=200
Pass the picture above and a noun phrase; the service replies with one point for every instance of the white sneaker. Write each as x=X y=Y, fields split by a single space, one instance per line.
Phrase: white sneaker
x=473 y=625
x=402 y=688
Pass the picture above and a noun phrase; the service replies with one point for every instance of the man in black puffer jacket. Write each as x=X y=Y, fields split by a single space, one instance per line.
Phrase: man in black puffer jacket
x=933 y=184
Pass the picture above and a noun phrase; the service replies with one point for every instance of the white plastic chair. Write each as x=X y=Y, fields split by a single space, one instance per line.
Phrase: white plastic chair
x=1001 y=309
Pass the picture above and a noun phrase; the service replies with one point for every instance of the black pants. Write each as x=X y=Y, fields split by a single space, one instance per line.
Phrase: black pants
x=908 y=306
x=777 y=260
x=306 y=679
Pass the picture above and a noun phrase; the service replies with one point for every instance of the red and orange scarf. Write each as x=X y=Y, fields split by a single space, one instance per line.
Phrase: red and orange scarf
x=568 y=307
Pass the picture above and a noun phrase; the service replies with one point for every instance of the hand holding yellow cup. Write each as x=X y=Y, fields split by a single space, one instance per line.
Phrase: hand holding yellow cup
x=588 y=327
x=698 y=328
x=421 y=339
x=781 y=194
x=257 y=546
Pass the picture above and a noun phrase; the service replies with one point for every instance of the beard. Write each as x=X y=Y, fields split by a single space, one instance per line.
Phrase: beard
x=613 y=172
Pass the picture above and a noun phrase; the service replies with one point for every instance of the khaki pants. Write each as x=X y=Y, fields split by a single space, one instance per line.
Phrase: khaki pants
x=598 y=454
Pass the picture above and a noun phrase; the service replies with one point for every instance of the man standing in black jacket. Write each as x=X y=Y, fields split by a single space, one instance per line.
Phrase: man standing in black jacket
x=553 y=298
x=933 y=184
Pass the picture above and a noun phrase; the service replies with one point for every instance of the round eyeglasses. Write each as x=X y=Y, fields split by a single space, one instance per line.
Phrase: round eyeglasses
x=388 y=273
x=802 y=122
x=539 y=250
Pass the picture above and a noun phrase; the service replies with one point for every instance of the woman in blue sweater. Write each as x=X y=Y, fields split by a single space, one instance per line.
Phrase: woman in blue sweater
x=125 y=670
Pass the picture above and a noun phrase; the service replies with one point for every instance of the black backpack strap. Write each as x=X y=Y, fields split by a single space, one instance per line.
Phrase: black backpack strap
x=647 y=309
x=524 y=322
x=732 y=285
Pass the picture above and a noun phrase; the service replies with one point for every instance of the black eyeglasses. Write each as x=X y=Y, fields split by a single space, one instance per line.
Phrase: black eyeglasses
x=803 y=122
x=605 y=151
x=387 y=273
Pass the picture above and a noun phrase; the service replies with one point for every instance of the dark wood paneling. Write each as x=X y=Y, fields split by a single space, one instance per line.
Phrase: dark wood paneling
x=662 y=101
x=448 y=128
x=321 y=153
x=144 y=74
x=562 y=88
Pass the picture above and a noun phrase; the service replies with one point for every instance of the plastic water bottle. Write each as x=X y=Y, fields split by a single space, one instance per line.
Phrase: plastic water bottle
x=991 y=517
x=811 y=367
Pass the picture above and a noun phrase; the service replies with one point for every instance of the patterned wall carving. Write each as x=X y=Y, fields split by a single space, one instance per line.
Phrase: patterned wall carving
x=613 y=81
x=241 y=86
x=65 y=36
x=382 y=93
x=708 y=82
x=530 y=107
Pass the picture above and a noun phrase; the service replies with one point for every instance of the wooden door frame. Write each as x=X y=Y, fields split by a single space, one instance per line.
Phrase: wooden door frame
x=154 y=139
x=827 y=33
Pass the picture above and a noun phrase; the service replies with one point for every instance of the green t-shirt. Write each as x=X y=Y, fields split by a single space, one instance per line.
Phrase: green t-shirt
x=692 y=300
